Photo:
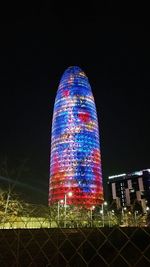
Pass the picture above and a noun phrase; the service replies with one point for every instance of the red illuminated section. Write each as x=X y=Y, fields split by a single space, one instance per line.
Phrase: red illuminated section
x=66 y=93
x=84 y=117
x=78 y=197
x=62 y=184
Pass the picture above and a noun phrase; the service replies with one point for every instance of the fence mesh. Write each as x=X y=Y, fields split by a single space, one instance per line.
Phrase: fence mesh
x=116 y=246
x=39 y=237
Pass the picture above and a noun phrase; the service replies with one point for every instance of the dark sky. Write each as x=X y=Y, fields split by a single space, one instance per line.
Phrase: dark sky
x=37 y=44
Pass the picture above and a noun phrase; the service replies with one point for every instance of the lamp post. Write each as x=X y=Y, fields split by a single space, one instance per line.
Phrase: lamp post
x=112 y=217
x=109 y=218
x=123 y=215
x=102 y=212
x=135 y=217
x=58 y=212
x=103 y=215
x=91 y=214
x=69 y=194
x=58 y=209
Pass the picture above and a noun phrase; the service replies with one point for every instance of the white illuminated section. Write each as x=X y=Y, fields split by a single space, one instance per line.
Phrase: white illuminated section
x=138 y=173
x=148 y=170
x=116 y=176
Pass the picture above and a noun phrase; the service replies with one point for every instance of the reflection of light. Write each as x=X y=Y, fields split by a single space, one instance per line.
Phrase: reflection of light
x=147 y=208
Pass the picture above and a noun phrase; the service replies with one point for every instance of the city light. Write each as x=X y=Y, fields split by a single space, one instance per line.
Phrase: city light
x=116 y=176
x=69 y=194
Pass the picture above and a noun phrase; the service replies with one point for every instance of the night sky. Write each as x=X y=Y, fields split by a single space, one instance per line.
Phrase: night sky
x=37 y=45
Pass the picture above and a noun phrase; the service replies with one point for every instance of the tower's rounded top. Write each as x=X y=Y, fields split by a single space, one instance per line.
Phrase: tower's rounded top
x=74 y=71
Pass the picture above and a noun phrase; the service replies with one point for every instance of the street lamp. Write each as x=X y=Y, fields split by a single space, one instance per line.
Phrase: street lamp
x=58 y=209
x=111 y=217
x=135 y=217
x=102 y=211
x=123 y=214
x=92 y=208
x=69 y=194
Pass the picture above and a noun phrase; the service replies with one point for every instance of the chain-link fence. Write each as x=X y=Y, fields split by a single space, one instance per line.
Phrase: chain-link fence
x=115 y=247
x=42 y=236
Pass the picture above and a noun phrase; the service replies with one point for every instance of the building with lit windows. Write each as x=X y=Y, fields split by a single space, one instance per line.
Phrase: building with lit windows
x=75 y=165
x=127 y=188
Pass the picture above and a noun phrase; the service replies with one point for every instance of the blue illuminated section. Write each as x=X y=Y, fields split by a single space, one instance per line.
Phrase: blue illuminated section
x=75 y=149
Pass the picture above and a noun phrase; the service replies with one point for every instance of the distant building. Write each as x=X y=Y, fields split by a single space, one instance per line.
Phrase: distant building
x=125 y=189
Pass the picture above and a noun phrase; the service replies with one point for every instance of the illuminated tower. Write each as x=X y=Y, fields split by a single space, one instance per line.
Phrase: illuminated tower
x=75 y=151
